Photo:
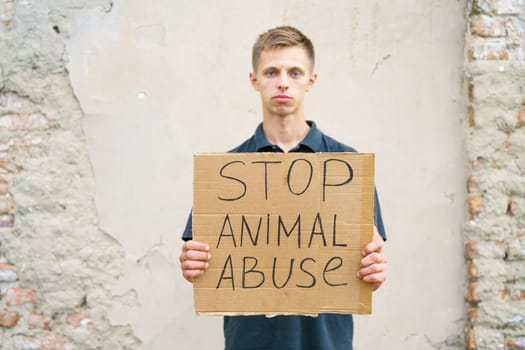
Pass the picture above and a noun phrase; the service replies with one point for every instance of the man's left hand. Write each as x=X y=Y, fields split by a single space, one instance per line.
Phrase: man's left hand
x=373 y=263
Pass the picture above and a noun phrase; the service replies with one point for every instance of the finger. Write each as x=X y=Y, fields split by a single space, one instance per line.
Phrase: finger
x=375 y=246
x=194 y=265
x=196 y=255
x=373 y=258
x=375 y=278
x=194 y=250
x=190 y=275
x=195 y=245
x=371 y=270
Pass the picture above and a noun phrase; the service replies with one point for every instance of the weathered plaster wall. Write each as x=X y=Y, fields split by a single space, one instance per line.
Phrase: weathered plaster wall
x=495 y=232
x=57 y=266
x=162 y=80
x=127 y=91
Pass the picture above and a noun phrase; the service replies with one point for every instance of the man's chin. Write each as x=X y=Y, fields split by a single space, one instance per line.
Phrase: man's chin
x=283 y=110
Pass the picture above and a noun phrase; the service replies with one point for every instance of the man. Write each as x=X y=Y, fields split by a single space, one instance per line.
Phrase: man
x=283 y=71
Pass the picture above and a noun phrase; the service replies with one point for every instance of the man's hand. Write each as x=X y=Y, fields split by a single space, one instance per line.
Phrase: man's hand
x=373 y=263
x=194 y=259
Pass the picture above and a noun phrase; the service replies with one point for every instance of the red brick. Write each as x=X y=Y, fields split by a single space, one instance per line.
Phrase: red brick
x=42 y=342
x=475 y=205
x=485 y=249
x=472 y=272
x=79 y=319
x=489 y=51
x=3 y=186
x=19 y=296
x=6 y=205
x=473 y=184
x=520 y=296
x=7 y=273
x=516 y=343
x=473 y=314
x=479 y=163
x=512 y=295
x=7 y=165
x=37 y=320
x=32 y=121
x=503 y=293
x=512 y=208
x=8 y=318
x=521 y=118
x=486 y=26
x=471 y=340
x=471 y=118
x=472 y=297
x=27 y=141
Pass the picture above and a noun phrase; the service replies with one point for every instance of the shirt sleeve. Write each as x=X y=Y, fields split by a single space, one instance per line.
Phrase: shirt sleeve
x=378 y=219
x=187 y=234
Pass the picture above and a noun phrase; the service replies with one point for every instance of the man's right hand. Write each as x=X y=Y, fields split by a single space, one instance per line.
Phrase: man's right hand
x=194 y=259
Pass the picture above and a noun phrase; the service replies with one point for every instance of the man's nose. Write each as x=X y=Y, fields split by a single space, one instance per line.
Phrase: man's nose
x=283 y=82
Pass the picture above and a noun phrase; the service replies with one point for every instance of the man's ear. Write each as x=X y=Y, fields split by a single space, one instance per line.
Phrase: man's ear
x=311 y=81
x=253 y=81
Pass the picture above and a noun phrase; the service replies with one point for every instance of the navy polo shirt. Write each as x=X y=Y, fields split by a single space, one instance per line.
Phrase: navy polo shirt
x=325 y=332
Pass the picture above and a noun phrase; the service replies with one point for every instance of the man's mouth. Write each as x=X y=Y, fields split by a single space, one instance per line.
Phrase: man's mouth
x=282 y=98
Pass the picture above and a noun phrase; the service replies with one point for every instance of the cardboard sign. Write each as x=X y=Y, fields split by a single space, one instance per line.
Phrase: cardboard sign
x=285 y=232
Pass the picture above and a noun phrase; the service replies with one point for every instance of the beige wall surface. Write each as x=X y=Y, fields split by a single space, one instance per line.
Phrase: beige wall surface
x=161 y=80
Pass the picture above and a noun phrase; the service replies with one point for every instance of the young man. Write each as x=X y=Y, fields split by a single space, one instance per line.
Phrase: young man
x=283 y=72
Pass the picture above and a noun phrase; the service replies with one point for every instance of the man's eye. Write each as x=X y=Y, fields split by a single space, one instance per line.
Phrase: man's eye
x=296 y=74
x=270 y=73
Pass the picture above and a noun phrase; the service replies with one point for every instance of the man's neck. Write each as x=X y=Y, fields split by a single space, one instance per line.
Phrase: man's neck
x=285 y=132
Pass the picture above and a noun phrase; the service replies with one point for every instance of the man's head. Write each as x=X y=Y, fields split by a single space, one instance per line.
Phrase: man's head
x=283 y=63
x=281 y=37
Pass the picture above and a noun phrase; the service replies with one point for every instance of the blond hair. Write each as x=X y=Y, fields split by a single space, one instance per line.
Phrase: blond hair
x=283 y=36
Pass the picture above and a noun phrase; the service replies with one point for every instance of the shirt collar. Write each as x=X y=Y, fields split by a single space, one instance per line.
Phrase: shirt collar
x=311 y=141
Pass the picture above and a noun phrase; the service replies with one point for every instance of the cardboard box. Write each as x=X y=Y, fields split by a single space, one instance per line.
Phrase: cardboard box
x=285 y=231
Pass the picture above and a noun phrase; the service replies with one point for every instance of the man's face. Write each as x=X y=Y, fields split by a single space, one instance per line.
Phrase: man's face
x=283 y=77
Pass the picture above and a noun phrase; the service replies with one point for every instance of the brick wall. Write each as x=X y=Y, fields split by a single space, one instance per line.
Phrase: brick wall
x=56 y=265
x=495 y=127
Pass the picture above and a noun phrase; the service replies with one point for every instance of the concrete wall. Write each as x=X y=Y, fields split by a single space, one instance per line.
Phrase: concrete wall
x=137 y=87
